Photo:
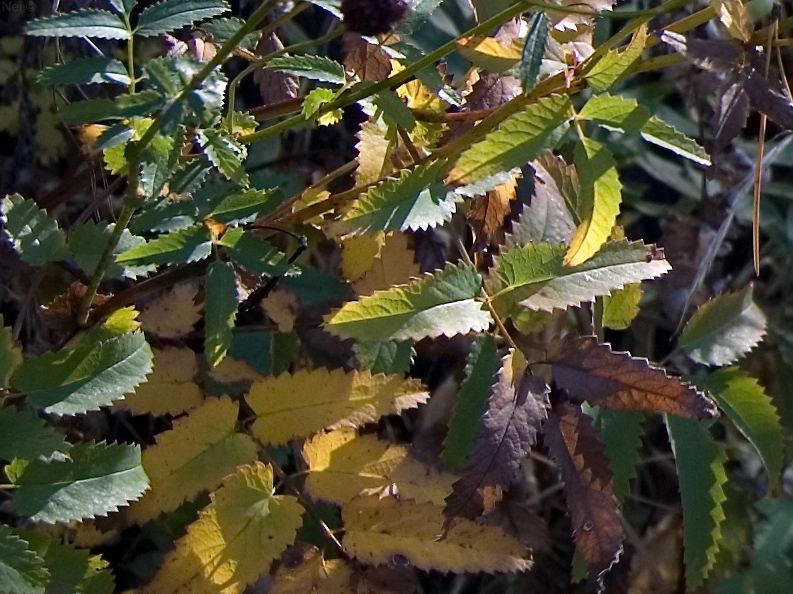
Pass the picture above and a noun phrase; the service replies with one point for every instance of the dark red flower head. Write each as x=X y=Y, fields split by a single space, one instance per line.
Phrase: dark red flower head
x=372 y=17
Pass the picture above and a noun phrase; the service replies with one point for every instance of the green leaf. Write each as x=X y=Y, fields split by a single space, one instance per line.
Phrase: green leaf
x=621 y=432
x=317 y=68
x=254 y=253
x=21 y=570
x=225 y=153
x=270 y=353
x=10 y=354
x=244 y=207
x=533 y=275
x=628 y=116
x=125 y=106
x=87 y=243
x=221 y=30
x=440 y=304
x=86 y=375
x=480 y=373
x=752 y=411
x=95 y=480
x=189 y=245
x=414 y=200
x=86 y=71
x=615 y=64
x=221 y=310
x=724 y=329
x=621 y=307
x=170 y=15
x=700 y=470
x=123 y=6
x=419 y=13
x=385 y=357
x=533 y=50
x=23 y=435
x=393 y=110
x=80 y=23
x=315 y=100
x=519 y=139
x=36 y=237
x=600 y=195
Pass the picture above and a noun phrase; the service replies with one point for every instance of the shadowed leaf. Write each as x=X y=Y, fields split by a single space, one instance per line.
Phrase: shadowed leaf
x=730 y=116
x=21 y=570
x=621 y=432
x=714 y=56
x=573 y=443
x=515 y=412
x=592 y=372
x=766 y=100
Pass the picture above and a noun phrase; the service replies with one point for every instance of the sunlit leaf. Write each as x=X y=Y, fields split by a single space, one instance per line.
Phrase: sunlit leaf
x=225 y=153
x=490 y=53
x=188 y=245
x=303 y=570
x=615 y=64
x=172 y=314
x=300 y=404
x=34 y=235
x=170 y=15
x=724 y=329
x=735 y=17
x=533 y=49
x=379 y=530
x=80 y=23
x=414 y=310
x=592 y=372
x=94 y=480
x=317 y=68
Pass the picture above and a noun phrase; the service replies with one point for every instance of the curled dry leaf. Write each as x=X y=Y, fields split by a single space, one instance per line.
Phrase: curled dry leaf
x=592 y=372
x=573 y=443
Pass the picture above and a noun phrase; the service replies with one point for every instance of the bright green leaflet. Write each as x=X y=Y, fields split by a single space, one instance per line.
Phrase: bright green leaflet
x=225 y=153
x=187 y=245
x=97 y=479
x=700 y=470
x=317 y=68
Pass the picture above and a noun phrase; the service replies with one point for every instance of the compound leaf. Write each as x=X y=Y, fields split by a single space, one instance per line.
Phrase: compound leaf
x=80 y=23
x=23 y=435
x=22 y=571
x=94 y=480
x=480 y=371
x=89 y=374
x=700 y=470
x=235 y=538
x=753 y=412
x=300 y=404
x=342 y=465
x=519 y=139
x=414 y=200
x=615 y=64
x=194 y=456
x=221 y=310
x=35 y=236
x=600 y=194
x=170 y=15
x=317 y=68
x=437 y=304
x=378 y=530
x=534 y=276
x=724 y=329
x=592 y=372
x=515 y=412
x=573 y=443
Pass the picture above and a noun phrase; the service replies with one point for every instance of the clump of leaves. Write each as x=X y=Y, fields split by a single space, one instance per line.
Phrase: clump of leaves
x=202 y=241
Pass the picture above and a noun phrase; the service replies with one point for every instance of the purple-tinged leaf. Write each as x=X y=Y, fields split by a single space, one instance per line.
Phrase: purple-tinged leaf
x=730 y=116
x=766 y=100
x=714 y=56
x=573 y=444
x=592 y=372
x=515 y=411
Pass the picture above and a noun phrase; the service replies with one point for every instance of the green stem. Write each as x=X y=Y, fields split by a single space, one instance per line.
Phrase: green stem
x=130 y=55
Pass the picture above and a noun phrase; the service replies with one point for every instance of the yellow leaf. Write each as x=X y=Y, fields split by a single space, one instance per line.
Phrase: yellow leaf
x=342 y=465
x=490 y=210
x=393 y=266
x=330 y=118
x=282 y=308
x=170 y=389
x=173 y=314
x=309 y=197
x=193 y=456
x=83 y=535
x=489 y=53
x=376 y=531
x=235 y=538
x=418 y=96
x=734 y=15
x=358 y=253
x=231 y=370
x=301 y=404
x=122 y=321
x=311 y=574
x=373 y=147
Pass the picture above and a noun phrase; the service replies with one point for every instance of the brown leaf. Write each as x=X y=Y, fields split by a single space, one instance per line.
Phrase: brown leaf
x=369 y=62
x=730 y=116
x=515 y=411
x=490 y=210
x=573 y=443
x=592 y=372
x=714 y=56
x=488 y=92
x=274 y=87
